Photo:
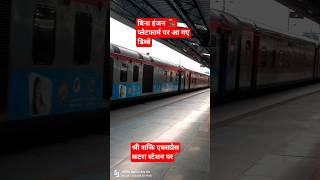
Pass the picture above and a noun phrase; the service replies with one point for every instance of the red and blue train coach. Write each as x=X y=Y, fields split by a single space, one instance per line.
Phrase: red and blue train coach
x=137 y=75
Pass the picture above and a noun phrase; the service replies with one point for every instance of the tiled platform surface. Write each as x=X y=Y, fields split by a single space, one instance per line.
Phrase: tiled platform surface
x=183 y=118
x=280 y=142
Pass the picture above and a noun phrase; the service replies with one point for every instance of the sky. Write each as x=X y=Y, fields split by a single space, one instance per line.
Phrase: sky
x=125 y=36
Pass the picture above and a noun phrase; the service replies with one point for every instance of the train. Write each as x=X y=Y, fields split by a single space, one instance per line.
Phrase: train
x=136 y=75
x=249 y=58
x=55 y=65
x=52 y=61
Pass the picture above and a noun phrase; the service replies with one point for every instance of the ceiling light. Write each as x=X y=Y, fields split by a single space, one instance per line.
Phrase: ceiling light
x=182 y=25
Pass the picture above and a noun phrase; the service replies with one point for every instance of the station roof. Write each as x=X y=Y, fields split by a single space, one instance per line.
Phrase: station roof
x=307 y=8
x=193 y=13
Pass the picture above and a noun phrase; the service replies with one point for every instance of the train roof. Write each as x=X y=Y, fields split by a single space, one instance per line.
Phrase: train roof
x=131 y=53
x=202 y=73
x=230 y=21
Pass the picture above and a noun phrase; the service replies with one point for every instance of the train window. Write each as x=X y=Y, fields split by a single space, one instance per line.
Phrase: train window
x=264 y=57
x=177 y=77
x=44 y=27
x=281 y=58
x=274 y=58
x=213 y=40
x=123 y=73
x=160 y=72
x=171 y=76
x=82 y=38
x=135 y=73
x=288 y=58
x=248 y=48
x=165 y=73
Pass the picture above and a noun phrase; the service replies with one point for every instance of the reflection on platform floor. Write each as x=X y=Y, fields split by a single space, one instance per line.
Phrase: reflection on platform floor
x=281 y=142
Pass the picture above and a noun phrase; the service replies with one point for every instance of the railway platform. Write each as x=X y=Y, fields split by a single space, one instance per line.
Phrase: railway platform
x=273 y=137
x=183 y=118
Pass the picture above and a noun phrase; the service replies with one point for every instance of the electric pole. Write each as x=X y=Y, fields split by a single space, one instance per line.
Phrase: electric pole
x=223 y=5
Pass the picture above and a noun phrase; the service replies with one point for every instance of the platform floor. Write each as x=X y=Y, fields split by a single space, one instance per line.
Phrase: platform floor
x=274 y=137
x=74 y=158
x=183 y=118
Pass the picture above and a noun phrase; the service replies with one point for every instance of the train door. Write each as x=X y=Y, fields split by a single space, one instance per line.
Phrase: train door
x=190 y=80
x=5 y=7
x=245 y=64
x=183 y=81
x=180 y=81
x=186 y=81
x=232 y=62
x=147 y=81
x=256 y=45
x=224 y=49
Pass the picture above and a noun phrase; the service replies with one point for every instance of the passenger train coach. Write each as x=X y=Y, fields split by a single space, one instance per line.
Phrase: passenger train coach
x=136 y=75
x=251 y=59
x=52 y=61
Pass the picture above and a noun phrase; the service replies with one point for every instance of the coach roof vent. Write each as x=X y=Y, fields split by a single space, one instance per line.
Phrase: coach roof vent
x=116 y=49
x=140 y=56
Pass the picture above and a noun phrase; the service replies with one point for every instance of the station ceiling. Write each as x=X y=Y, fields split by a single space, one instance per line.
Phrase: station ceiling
x=307 y=8
x=196 y=15
x=193 y=13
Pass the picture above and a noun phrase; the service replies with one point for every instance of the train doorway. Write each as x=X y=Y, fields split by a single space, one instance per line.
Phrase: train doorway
x=5 y=8
x=147 y=82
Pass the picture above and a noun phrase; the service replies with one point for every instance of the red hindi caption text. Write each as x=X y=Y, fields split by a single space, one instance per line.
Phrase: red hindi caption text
x=151 y=28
